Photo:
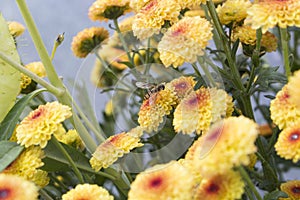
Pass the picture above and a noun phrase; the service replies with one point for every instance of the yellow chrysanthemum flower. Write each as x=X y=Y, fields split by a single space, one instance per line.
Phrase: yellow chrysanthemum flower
x=284 y=112
x=87 y=40
x=267 y=14
x=247 y=36
x=292 y=188
x=226 y=186
x=40 y=124
x=71 y=137
x=288 y=143
x=15 y=28
x=294 y=88
x=190 y=3
x=182 y=86
x=228 y=143
x=184 y=41
x=194 y=113
x=87 y=191
x=166 y=181
x=152 y=17
x=155 y=108
x=26 y=165
x=13 y=187
x=115 y=147
x=233 y=11
x=35 y=67
x=103 y=10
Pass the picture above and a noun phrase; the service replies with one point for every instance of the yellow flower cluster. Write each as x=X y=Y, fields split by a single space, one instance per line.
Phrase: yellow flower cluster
x=155 y=108
x=247 y=36
x=285 y=113
x=103 y=10
x=13 y=187
x=152 y=17
x=35 y=67
x=195 y=110
x=269 y=13
x=184 y=41
x=87 y=191
x=40 y=124
x=88 y=40
x=26 y=165
x=165 y=181
x=233 y=11
x=227 y=144
x=114 y=147
x=71 y=137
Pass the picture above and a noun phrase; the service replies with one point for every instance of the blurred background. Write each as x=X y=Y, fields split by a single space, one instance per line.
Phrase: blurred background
x=52 y=18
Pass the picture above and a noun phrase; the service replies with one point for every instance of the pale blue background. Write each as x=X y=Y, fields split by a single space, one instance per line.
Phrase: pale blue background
x=52 y=17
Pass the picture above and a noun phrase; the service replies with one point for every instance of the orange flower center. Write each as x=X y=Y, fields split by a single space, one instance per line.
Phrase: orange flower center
x=294 y=136
x=36 y=115
x=181 y=86
x=296 y=190
x=212 y=188
x=5 y=193
x=179 y=31
x=156 y=182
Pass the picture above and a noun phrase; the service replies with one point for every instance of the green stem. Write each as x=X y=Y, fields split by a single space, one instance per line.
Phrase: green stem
x=196 y=69
x=68 y=157
x=235 y=73
x=249 y=182
x=284 y=38
x=84 y=134
x=38 y=42
x=87 y=169
x=54 y=90
x=207 y=72
x=96 y=131
x=45 y=195
x=248 y=111
x=255 y=59
x=123 y=41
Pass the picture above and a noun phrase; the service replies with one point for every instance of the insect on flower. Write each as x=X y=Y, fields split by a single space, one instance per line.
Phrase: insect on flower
x=150 y=87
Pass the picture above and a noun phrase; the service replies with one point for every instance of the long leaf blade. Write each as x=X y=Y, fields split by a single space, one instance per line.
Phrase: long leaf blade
x=9 y=151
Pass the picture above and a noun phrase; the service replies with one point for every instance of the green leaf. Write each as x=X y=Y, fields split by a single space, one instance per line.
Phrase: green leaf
x=9 y=151
x=56 y=161
x=275 y=195
x=9 y=77
x=8 y=125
